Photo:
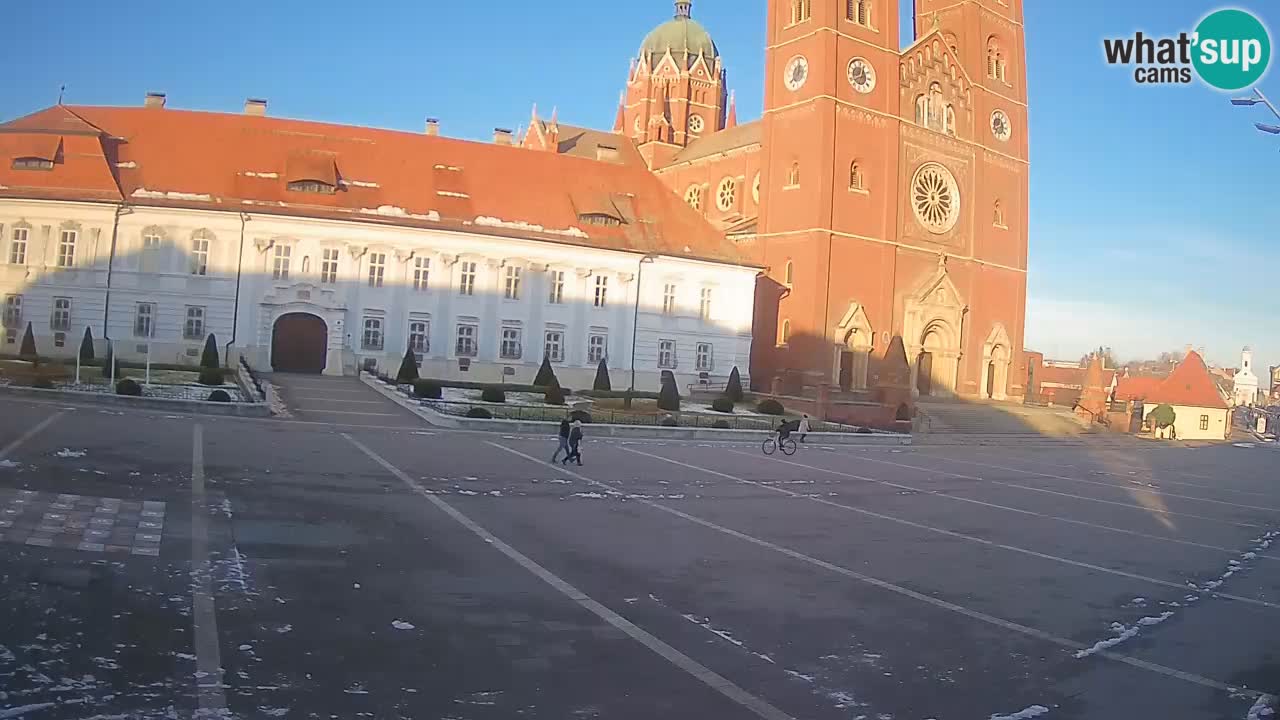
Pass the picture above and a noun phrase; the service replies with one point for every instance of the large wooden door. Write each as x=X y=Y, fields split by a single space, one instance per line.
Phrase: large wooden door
x=299 y=343
x=991 y=379
x=846 y=371
x=924 y=374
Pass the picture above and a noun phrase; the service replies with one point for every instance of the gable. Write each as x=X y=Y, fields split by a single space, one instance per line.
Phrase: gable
x=930 y=60
x=939 y=290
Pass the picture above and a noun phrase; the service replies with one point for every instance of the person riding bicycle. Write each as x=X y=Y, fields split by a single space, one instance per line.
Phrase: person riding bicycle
x=785 y=428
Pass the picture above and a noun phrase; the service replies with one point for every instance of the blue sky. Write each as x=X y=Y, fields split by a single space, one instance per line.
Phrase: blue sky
x=1152 y=217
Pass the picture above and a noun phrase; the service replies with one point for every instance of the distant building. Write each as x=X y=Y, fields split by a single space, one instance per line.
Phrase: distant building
x=1245 y=390
x=1202 y=412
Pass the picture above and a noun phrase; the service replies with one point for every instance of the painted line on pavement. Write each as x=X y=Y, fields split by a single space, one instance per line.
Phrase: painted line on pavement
x=323 y=411
x=1020 y=511
x=1032 y=488
x=899 y=590
x=209 y=695
x=39 y=428
x=340 y=400
x=720 y=684
x=960 y=536
x=1035 y=473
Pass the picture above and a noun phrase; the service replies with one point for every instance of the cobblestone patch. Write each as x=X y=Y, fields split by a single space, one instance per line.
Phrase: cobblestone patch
x=81 y=522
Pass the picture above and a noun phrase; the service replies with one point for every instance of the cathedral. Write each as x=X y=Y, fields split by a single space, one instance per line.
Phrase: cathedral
x=883 y=191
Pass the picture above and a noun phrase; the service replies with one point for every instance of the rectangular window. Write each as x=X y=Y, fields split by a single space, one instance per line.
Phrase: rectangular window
x=372 y=337
x=280 y=267
x=193 y=328
x=144 y=315
x=420 y=338
x=704 y=304
x=150 y=253
x=512 y=289
x=60 y=339
x=602 y=291
x=1204 y=422
x=553 y=346
x=421 y=273
x=61 y=318
x=67 y=249
x=666 y=354
x=597 y=348
x=200 y=256
x=18 y=247
x=510 y=349
x=466 y=278
x=12 y=311
x=705 y=357
x=377 y=269
x=556 y=295
x=466 y=345
x=329 y=266
x=668 y=299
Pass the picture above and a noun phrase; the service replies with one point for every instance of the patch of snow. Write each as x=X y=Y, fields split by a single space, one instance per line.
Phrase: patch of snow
x=21 y=710
x=143 y=193
x=450 y=193
x=402 y=625
x=284 y=629
x=267 y=175
x=359 y=183
x=799 y=675
x=399 y=212
x=69 y=453
x=559 y=481
x=705 y=624
x=488 y=221
x=1139 y=601
x=130 y=165
x=246 y=647
x=1261 y=709
x=1026 y=714
x=8 y=464
x=468 y=492
x=588 y=495
x=495 y=493
x=1148 y=621
x=1124 y=634
x=1244 y=445
x=1250 y=556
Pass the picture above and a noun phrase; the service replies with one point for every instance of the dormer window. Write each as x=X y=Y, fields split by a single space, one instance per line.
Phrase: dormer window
x=311 y=186
x=32 y=163
x=602 y=219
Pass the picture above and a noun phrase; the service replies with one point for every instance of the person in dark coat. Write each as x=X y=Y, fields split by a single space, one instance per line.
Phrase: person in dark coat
x=564 y=440
x=575 y=443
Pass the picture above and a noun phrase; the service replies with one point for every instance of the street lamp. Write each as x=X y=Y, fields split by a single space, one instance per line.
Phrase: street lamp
x=1259 y=99
x=635 y=323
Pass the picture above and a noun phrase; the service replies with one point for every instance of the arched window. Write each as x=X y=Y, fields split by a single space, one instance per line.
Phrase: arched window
x=784 y=333
x=855 y=176
x=793 y=175
x=858 y=11
x=997 y=214
x=922 y=110
x=935 y=106
x=949 y=120
x=995 y=60
x=789 y=274
x=799 y=11
x=306 y=264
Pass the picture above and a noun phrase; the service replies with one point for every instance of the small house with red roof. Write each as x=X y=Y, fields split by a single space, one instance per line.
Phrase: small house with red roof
x=1202 y=413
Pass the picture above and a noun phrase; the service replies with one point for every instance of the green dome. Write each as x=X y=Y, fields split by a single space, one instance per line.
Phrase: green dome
x=684 y=37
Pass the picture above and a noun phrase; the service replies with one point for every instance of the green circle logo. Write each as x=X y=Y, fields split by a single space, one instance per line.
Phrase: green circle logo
x=1232 y=49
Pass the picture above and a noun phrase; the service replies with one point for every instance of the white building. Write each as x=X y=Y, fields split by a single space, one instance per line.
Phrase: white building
x=1245 y=390
x=323 y=248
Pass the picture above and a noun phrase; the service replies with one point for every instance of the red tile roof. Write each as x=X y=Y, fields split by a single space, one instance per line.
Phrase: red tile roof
x=233 y=163
x=1138 y=387
x=1189 y=384
x=1072 y=377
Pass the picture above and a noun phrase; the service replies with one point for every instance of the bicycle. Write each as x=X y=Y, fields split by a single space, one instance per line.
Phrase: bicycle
x=771 y=445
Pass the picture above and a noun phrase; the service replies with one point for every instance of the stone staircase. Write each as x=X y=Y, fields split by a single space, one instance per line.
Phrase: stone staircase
x=961 y=417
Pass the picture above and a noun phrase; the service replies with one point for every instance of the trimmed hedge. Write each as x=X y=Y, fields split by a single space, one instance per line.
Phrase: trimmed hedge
x=211 y=376
x=722 y=404
x=427 y=389
x=720 y=424
x=219 y=396
x=669 y=422
x=505 y=387
x=42 y=383
x=493 y=395
x=479 y=413
x=769 y=406
x=128 y=386
x=616 y=394
x=733 y=390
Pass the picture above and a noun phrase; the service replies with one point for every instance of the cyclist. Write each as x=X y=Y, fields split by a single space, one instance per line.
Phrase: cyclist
x=785 y=428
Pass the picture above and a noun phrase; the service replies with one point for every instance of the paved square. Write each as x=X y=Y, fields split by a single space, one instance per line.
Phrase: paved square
x=81 y=522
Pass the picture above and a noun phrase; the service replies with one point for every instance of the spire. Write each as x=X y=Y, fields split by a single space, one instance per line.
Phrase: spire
x=555 y=114
x=732 y=120
x=684 y=9
x=619 y=120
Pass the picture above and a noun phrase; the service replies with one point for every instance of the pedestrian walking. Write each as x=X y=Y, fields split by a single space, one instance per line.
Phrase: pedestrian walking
x=564 y=440
x=575 y=443
x=804 y=427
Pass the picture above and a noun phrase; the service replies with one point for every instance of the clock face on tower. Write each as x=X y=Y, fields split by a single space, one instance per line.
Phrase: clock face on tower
x=862 y=76
x=796 y=73
x=1000 y=126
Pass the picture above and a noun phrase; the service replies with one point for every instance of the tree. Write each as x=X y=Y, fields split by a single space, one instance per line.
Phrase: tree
x=1105 y=353
x=602 y=377
x=408 y=367
x=733 y=390
x=546 y=374
x=669 y=396
x=28 y=349
x=86 y=346
x=108 y=360
x=209 y=359
x=1163 y=417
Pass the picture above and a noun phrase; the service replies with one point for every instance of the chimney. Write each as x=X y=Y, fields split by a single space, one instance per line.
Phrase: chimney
x=607 y=153
x=154 y=100
x=255 y=106
x=502 y=136
x=433 y=127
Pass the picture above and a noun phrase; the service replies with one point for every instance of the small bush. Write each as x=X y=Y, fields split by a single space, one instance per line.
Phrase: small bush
x=42 y=383
x=554 y=395
x=720 y=424
x=602 y=382
x=28 y=347
x=722 y=404
x=863 y=431
x=493 y=395
x=581 y=416
x=219 y=396
x=209 y=358
x=427 y=389
x=733 y=390
x=86 y=346
x=546 y=376
x=128 y=386
x=408 y=367
x=769 y=406
x=669 y=421
x=669 y=396
x=479 y=413
x=211 y=376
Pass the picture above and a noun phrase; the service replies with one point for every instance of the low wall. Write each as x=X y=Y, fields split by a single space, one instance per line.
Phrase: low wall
x=534 y=427
x=202 y=407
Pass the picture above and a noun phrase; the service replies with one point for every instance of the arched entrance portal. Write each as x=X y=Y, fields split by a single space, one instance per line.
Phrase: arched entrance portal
x=996 y=360
x=299 y=343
